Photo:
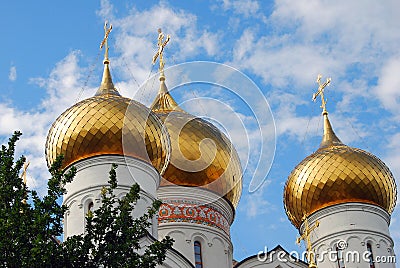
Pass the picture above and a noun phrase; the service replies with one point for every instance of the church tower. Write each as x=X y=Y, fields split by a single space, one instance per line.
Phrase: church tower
x=104 y=129
x=345 y=195
x=202 y=183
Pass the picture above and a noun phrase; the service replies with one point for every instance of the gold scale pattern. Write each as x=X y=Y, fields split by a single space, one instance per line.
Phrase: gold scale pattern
x=335 y=175
x=108 y=124
x=201 y=156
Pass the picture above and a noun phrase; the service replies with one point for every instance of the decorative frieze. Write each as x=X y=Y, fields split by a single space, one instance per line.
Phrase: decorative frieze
x=181 y=211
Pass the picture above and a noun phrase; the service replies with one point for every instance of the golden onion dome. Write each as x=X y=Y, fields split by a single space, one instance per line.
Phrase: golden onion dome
x=336 y=174
x=201 y=155
x=108 y=124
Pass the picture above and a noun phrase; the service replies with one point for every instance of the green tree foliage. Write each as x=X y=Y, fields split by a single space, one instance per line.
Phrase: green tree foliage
x=29 y=230
x=112 y=235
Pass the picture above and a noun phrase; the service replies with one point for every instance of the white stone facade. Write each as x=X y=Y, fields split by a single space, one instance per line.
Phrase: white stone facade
x=208 y=229
x=192 y=214
x=93 y=173
x=345 y=233
x=275 y=258
x=173 y=258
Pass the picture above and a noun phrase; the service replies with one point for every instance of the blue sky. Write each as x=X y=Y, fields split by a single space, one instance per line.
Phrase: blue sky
x=50 y=58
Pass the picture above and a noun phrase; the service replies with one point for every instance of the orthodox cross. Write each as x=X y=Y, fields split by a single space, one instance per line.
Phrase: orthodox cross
x=23 y=176
x=107 y=31
x=320 y=92
x=161 y=44
x=306 y=237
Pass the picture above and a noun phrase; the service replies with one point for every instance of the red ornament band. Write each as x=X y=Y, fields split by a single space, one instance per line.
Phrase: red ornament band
x=175 y=211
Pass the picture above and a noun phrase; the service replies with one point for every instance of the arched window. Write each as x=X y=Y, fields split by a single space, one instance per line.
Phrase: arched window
x=90 y=207
x=371 y=257
x=339 y=256
x=198 y=261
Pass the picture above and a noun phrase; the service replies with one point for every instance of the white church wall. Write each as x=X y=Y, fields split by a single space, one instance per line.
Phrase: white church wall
x=216 y=251
x=275 y=258
x=173 y=258
x=194 y=214
x=346 y=229
x=93 y=174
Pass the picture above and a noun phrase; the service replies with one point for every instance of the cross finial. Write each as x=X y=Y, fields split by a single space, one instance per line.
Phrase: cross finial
x=161 y=43
x=320 y=92
x=107 y=31
x=306 y=237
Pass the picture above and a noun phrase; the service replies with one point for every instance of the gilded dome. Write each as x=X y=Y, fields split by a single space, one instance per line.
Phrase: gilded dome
x=201 y=155
x=108 y=124
x=337 y=174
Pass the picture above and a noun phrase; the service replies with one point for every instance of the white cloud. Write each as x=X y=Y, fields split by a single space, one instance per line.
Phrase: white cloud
x=285 y=116
x=280 y=61
x=135 y=38
x=106 y=11
x=353 y=25
x=255 y=204
x=62 y=87
x=244 y=45
x=304 y=38
x=392 y=159
x=65 y=85
x=12 y=75
x=388 y=88
x=246 y=8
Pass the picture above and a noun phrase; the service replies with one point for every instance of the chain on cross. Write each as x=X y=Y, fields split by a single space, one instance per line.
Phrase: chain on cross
x=320 y=92
x=161 y=43
x=104 y=42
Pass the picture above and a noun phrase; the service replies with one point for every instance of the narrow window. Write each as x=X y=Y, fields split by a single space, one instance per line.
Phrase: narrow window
x=197 y=255
x=339 y=255
x=371 y=257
